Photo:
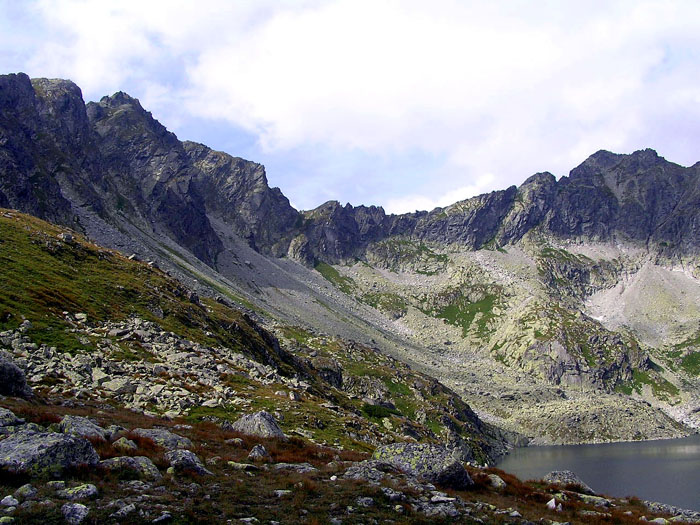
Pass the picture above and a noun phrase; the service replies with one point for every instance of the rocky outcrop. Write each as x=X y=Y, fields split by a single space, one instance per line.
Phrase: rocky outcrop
x=569 y=480
x=432 y=463
x=45 y=453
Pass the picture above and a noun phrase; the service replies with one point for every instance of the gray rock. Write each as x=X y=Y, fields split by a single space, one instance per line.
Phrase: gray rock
x=364 y=502
x=8 y=418
x=496 y=482
x=80 y=492
x=74 y=513
x=120 y=385
x=12 y=380
x=25 y=492
x=300 y=468
x=163 y=438
x=183 y=460
x=163 y=518
x=371 y=471
x=82 y=427
x=139 y=466
x=261 y=424
x=431 y=463
x=566 y=478
x=9 y=501
x=124 y=511
x=258 y=452
x=125 y=445
x=46 y=453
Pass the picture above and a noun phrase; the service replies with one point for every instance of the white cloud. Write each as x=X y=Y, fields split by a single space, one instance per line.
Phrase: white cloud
x=505 y=87
x=412 y=202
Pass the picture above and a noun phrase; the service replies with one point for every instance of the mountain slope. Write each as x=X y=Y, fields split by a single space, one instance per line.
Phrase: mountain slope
x=507 y=297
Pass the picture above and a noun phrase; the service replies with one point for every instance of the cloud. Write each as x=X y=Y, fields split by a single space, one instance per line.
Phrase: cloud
x=414 y=202
x=508 y=88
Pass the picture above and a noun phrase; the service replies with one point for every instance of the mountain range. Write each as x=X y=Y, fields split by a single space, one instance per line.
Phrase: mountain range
x=563 y=310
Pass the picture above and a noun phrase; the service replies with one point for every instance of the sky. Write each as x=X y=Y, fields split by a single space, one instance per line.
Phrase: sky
x=405 y=104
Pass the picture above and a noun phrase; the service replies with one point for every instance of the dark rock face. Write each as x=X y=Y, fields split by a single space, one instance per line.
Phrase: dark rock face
x=12 y=380
x=114 y=158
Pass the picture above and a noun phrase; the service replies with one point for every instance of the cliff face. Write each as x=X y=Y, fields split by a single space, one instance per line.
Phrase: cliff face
x=114 y=157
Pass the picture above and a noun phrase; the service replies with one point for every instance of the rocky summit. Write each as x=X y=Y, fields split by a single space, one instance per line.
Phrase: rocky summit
x=179 y=344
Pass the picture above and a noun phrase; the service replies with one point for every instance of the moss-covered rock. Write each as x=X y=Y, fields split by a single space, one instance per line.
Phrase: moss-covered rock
x=45 y=453
x=432 y=463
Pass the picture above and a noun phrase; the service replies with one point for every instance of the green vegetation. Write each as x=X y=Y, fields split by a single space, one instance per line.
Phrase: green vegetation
x=463 y=313
x=691 y=363
x=43 y=276
x=378 y=411
x=344 y=284
x=387 y=302
x=660 y=387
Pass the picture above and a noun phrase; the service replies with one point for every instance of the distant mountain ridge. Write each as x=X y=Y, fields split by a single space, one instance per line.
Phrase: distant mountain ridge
x=56 y=154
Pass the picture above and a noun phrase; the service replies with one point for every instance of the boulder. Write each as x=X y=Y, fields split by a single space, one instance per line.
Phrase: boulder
x=81 y=427
x=568 y=479
x=137 y=466
x=258 y=452
x=125 y=445
x=25 y=492
x=163 y=438
x=299 y=468
x=371 y=471
x=8 y=418
x=80 y=492
x=182 y=460
x=45 y=453
x=74 y=513
x=431 y=463
x=120 y=385
x=496 y=482
x=12 y=380
x=261 y=424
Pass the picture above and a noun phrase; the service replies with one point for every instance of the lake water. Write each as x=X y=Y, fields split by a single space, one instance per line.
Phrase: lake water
x=667 y=471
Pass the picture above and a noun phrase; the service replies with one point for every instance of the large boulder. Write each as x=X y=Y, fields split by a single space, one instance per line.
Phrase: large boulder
x=184 y=460
x=9 y=419
x=260 y=424
x=47 y=453
x=137 y=466
x=82 y=427
x=432 y=463
x=163 y=438
x=371 y=471
x=12 y=379
x=568 y=479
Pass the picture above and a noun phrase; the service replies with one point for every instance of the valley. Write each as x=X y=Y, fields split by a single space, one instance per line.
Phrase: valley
x=146 y=275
